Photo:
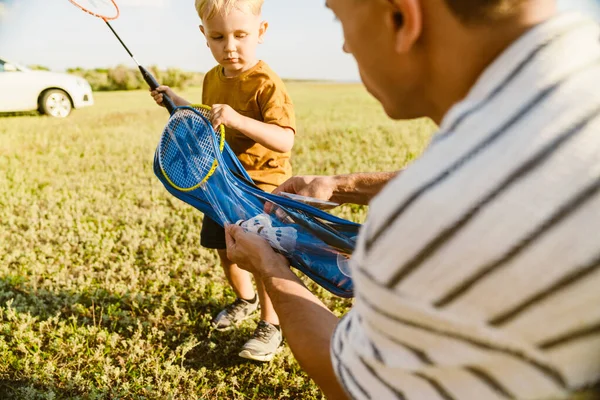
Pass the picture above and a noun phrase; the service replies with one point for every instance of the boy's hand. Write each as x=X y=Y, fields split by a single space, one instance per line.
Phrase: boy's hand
x=224 y=114
x=157 y=95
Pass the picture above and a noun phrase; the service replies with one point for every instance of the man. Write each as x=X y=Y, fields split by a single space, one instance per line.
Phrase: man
x=477 y=273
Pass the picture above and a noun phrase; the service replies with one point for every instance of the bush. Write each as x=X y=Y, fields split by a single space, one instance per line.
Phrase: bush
x=38 y=68
x=125 y=78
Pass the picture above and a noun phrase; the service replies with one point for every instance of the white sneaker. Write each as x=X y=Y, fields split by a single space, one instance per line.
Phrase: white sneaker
x=234 y=313
x=264 y=343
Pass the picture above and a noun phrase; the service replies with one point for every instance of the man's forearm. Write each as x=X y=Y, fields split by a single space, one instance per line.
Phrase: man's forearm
x=360 y=188
x=308 y=327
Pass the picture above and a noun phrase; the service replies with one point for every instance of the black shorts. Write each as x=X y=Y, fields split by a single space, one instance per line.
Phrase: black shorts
x=212 y=235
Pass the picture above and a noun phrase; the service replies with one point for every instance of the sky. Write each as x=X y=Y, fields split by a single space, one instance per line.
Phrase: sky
x=303 y=41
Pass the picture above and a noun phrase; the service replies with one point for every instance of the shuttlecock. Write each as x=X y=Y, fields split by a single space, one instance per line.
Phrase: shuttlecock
x=254 y=224
x=282 y=238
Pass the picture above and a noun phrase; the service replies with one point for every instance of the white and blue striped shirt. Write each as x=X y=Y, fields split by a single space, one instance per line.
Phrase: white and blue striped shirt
x=477 y=274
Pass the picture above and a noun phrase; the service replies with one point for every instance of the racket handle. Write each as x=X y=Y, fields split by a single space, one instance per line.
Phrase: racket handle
x=153 y=83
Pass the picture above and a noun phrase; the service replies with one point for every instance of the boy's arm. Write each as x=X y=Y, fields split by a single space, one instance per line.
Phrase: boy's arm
x=271 y=136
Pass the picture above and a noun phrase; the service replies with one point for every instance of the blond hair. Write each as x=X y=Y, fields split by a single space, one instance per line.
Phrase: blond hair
x=209 y=8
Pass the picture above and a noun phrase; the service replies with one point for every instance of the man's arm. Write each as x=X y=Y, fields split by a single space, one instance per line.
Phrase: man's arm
x=307 y=324
x=359 y=188
x=308 y=327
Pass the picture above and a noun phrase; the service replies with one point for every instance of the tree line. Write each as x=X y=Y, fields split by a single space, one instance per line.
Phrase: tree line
x=123 y=77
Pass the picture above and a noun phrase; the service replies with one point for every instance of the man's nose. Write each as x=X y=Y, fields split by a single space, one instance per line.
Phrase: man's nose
x=345 y=47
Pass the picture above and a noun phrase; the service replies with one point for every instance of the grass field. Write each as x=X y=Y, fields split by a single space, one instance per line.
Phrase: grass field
x=105 y=292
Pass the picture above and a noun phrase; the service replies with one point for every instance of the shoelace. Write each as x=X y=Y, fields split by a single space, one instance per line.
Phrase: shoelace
x=263 y=331
x=236 y=307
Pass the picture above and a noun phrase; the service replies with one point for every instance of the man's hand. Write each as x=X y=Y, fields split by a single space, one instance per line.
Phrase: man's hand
x=359 y=188
x=318 y=187
x=251 y=252
x=225 y=115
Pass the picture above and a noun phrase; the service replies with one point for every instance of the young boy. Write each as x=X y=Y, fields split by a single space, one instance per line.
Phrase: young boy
x=251 y=101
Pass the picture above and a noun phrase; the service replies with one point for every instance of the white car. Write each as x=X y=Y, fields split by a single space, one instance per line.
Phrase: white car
x=50 y=93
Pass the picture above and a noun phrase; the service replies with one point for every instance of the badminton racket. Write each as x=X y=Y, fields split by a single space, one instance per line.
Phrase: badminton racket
x=107 y=10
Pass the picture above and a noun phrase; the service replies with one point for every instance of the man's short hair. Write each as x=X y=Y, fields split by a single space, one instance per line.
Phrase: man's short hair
x=476 y=11
x=209 y=8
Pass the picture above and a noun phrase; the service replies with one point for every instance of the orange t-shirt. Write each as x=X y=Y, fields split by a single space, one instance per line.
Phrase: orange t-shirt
x=259 y=94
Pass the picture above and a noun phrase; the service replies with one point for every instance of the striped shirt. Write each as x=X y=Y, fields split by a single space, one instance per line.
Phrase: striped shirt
x=477 y=273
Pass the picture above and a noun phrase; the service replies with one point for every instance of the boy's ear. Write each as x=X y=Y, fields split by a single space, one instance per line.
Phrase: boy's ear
x=204 y=33
x=262 y=30
x=406 y=19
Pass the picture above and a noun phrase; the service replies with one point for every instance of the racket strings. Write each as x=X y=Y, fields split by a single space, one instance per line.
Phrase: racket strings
x=204 y=111
x=186 y=150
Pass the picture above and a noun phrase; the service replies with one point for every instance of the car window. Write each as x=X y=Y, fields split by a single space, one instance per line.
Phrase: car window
x=9 y=67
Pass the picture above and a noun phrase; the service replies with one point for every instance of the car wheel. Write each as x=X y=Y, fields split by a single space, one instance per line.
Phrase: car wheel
x=56 y=103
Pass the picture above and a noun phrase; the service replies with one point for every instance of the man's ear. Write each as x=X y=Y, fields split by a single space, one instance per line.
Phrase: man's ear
x=262 y=30
x=406 y=18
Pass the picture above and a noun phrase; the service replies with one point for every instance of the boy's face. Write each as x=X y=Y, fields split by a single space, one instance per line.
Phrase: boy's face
x=233 y=39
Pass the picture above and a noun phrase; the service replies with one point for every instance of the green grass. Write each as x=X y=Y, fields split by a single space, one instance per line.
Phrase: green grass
x=105 y=292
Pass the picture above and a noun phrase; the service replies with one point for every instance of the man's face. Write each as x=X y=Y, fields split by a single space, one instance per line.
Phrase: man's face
x=369 y=36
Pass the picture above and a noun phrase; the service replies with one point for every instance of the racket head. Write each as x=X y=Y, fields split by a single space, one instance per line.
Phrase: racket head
x=103 y=9
x=186 y=153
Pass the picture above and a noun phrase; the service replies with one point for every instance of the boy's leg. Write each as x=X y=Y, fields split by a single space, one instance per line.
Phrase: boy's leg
x=241 y=284
x=240 y=280
x=247 y=300
x=267 y=337
x=267 y=311
x=212 y=236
